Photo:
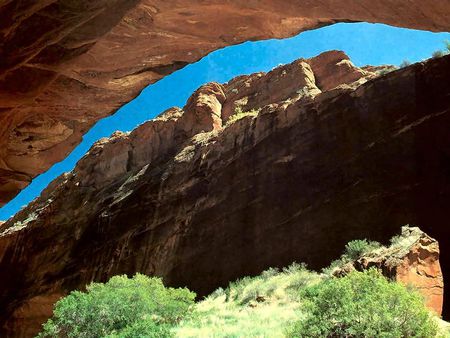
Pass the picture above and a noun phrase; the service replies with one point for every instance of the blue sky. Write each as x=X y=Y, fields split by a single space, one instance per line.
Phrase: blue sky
x=365 y=43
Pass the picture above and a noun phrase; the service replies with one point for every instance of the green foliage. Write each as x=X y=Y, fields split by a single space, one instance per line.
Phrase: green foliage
x=405 y=63
x=146 y=328
x=239 y=114
x=122 y=307
x=362 y=304
x=396 y=240
x=402 y=242
x=441 y=53
x=260 y=306
x=337 y=263
x=355 y=249
x=437 y=54
x=298 y=277
x=384 y=71
x=250 y=289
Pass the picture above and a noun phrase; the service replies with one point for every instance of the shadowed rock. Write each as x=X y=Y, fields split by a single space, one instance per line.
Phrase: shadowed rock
x=66 y=64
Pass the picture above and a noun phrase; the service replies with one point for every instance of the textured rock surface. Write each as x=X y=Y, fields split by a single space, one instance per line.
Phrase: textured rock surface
x=65 y=64
x=420 y=267
x=201 y=201
x=413 y=259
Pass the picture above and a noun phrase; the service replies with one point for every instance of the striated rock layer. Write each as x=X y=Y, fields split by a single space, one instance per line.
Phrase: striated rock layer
x=261 y=171
x=65 y=64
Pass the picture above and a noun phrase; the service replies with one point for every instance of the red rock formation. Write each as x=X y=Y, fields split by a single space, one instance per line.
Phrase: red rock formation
x=421 y=268
x=413 y=259
x=65 y=64
x=293 y=179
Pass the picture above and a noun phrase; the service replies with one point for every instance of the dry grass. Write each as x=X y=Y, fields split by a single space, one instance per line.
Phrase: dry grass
x=239 y=114
x=261 y=306
x=268 y=304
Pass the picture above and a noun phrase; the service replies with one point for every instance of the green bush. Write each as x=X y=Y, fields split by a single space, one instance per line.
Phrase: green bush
x=146 y=328
x=123 y=307
x=355 y=249
x=385 y=71
x=405 y=63
x=437 y=54
x=252 y=307
x=240 y=114
x=363 y=304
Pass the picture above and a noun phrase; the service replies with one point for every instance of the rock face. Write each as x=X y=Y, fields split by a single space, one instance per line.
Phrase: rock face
x=65 y=64
x=261 y=171
x=412 y=259
x=421 y=268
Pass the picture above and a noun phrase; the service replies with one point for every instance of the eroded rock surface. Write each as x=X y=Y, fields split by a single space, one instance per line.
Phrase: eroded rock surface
x=65 y=64
x=258 y=172
x=412 y=259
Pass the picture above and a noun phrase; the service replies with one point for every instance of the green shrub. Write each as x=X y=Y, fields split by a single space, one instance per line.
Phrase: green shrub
x=123 y=307
x=437 y=54
x=385 y=71
x=405 y=63
x=299 y=277
x=441 y=53
x=240 y=114
x=363 y=304
x=146 y=328
x=252 y=307
x=355 y=249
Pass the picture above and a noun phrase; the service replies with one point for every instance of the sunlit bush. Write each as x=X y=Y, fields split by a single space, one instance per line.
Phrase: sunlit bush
x=363 y=304
x=123 y=307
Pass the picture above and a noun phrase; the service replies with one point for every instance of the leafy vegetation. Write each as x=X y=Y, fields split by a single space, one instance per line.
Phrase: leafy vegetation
x=437 y=54
x=239 y=114
x=385 y=71
x=122 y=307
x=355 y=249
x=293 y=302
x=260 y=306
x=405 y=63
x=363 y=304
x=440 y=53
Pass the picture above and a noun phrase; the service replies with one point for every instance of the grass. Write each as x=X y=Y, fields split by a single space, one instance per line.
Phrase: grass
x=405 y=64
x=239 y=114
x=440 y=53
x=275 y=302
x=260 y=306
x=268 y=304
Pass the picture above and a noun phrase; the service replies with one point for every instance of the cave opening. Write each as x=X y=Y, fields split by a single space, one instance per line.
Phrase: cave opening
x=219 y=66
x=362 y=42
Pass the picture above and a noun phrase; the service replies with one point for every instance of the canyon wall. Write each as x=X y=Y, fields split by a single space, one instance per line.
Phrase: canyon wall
x=258 y=172
x=66 y=64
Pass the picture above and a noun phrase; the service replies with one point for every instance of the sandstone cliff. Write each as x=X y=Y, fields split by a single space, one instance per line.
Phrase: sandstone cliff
x=261 y=171
x=65 y=64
